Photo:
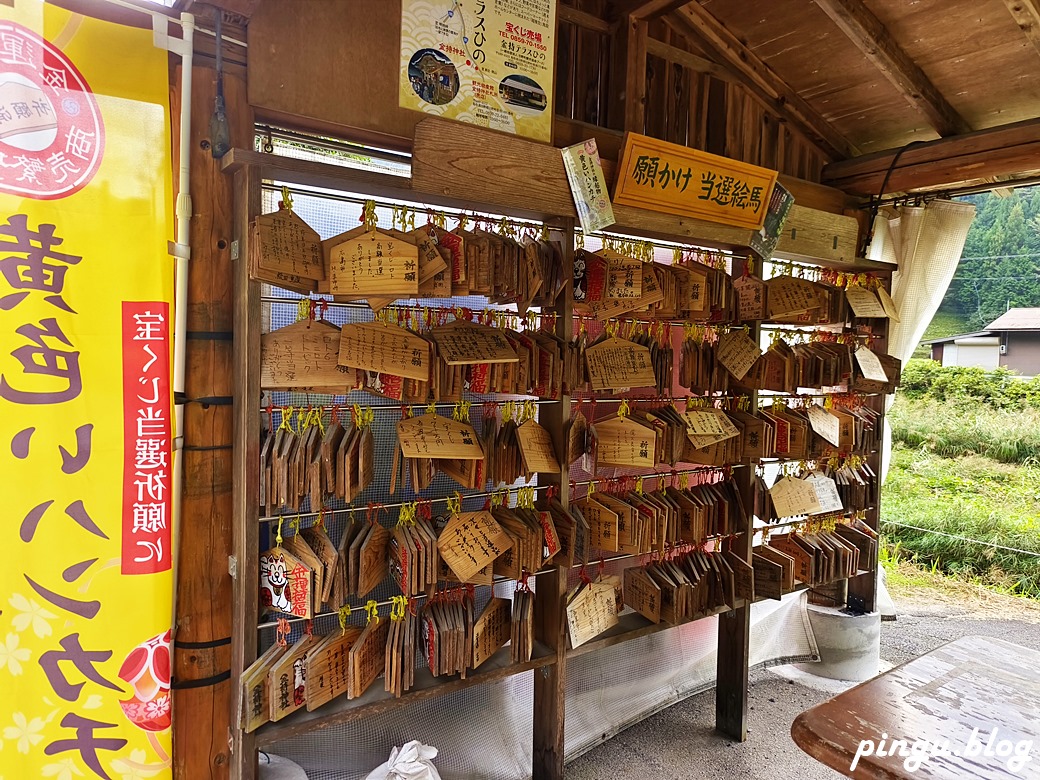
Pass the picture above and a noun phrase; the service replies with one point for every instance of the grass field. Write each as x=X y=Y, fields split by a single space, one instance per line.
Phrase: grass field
x=970 y=478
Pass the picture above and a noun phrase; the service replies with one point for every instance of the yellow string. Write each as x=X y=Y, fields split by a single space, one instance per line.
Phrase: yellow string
x=278 y=533
x=372 y=608
x=454 y=503
x=287 y=199
x=623 y=409
x=369 y=215
x=639 y=486
x=344 y=613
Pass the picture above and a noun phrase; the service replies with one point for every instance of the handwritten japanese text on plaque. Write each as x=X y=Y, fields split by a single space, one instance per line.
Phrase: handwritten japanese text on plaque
x=388 y=349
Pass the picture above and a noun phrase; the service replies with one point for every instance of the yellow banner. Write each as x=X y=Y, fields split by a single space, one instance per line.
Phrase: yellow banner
x=85 y=402
x=486 y=62
x=660 y=176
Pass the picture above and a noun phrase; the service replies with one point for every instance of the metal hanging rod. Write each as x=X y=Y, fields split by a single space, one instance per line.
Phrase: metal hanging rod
x=380 y=408
x=418 y=208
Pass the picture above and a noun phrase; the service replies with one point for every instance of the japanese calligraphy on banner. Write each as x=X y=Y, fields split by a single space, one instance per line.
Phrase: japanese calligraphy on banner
x=85 y=401
x=675 y=179
x=486 y=62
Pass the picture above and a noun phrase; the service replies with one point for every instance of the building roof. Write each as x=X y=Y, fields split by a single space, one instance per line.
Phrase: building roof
x=1017 y=319
x=958 y=336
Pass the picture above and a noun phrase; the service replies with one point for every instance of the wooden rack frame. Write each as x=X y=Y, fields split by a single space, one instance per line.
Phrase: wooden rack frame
x=249 y=170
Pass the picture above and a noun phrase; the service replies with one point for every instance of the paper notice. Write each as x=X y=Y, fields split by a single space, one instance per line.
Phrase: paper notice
x=588 y=186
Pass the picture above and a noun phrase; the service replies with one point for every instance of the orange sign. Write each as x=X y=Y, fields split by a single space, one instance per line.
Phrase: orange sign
x=660 y=176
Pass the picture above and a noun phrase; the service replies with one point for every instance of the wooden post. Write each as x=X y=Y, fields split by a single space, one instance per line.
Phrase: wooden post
x=731 y=683
x=202 y=640
x=246 y=560
x=635 y=77
x=550 y=691
x=862 y=589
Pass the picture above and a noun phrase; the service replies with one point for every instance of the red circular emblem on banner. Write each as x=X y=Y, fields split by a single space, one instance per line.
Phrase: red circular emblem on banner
x=51 y=135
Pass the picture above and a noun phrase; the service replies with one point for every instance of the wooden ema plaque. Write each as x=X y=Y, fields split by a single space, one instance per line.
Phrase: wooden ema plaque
x=624 y=276
x=463 y=343
x=328 y=667
x=624 y=442
x=705 y=427
x=287 y=247
x=302 y=355
x=491 y=630
x=367 y=656
x=470 y=541
x=591 y=612
x=371 y=262
x=287 y=678
x=537 y=449
x=388 y=349
x=286 y=584
x=256 y=689
x=787 y=296
x=642 y=593
x=737 y=352
x=602 y=522
x=433 y=436
x=616 y=363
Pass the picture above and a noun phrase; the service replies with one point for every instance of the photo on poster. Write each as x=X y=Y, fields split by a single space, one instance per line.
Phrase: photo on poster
x=486 y=63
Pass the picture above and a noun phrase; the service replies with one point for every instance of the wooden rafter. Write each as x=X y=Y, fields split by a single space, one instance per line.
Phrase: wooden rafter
x=694 y=22
x=870 y=36
x=645 y=9
x=996 y=152
x=1027 y=16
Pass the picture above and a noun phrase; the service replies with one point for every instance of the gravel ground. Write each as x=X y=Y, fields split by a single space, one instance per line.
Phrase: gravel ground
x=680 y=742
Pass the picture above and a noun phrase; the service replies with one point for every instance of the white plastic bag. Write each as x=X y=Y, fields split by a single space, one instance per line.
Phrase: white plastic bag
x=410 y=762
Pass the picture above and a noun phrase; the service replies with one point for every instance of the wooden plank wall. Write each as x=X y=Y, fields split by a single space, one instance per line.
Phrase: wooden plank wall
x=683 y=105
x=689 y=100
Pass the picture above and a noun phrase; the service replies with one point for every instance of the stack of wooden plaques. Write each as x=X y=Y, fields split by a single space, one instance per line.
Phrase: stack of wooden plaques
x=639 y=523
x=313 y=464
x=521 y=627
x=362 y=562
x=688 y=585
x=814 y=558
x=414 y=559
x=609 y=284
x=447 y=633
x=399 y=666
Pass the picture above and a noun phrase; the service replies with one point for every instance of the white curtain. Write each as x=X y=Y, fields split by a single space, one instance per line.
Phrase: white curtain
x=926 y=243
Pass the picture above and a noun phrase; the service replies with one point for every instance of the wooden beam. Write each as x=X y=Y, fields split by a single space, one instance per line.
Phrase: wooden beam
x=565 y=13
x=682 y=57
x=694 y=21
x=646 y=9
x=870 y=36
x=1027 y=16
x=999 y=151
x=635 y=76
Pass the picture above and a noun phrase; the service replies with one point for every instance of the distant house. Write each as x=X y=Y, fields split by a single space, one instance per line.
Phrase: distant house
x=1012 y=340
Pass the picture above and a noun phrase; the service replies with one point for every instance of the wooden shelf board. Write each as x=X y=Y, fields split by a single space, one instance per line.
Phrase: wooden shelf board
x=375 y=700
x=633 y=626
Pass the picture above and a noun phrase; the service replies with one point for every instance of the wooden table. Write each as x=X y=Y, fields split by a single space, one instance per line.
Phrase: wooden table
x=972 y=685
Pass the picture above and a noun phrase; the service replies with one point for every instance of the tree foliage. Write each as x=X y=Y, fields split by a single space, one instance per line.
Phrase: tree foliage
x=1000 y=265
